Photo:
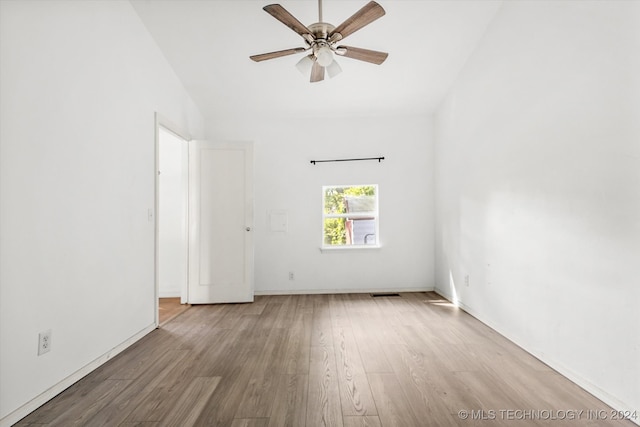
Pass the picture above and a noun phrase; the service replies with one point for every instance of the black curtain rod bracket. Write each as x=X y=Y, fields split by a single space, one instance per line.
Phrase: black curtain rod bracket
x=379 y=159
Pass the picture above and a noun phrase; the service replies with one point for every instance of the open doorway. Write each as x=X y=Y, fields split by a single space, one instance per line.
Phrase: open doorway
x=171 y=222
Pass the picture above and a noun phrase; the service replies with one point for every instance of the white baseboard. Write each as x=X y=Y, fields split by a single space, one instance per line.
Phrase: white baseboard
x=170 y=293
x=596 y=391
x=56 y=389
x=338 y=291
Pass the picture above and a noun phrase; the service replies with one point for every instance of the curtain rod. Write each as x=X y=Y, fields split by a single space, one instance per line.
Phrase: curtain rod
x=379 y=159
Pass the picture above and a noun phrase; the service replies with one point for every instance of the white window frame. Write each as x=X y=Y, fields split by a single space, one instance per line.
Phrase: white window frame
x=375 y=214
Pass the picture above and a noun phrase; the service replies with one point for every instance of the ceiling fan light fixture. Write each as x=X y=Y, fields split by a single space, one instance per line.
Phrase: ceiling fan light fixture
x=305 y=64
x=334 y=69
x=324 y=56
x=321 y=38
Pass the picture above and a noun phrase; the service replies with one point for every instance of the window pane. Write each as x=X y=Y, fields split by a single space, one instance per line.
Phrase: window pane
x=335 y=231
x=357 y=204
x=357 y=199
x=334 y=200
x=363 y=231
x=345 y=231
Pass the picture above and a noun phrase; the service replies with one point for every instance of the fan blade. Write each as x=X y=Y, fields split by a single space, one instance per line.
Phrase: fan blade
x=277 y=54
x=366 y=55
x=369 y=13
x=317 y=72
x=281 y=14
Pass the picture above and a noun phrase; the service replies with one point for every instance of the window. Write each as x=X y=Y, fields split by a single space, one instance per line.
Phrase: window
x=350 y=216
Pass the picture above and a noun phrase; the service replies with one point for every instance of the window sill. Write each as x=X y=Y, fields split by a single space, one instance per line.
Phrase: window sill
x=350 y=248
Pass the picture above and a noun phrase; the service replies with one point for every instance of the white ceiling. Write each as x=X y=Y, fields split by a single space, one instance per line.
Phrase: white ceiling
x=208 y=43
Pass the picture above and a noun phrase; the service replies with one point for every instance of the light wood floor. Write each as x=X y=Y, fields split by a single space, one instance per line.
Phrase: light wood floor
x=323 y=360
x=169 y=308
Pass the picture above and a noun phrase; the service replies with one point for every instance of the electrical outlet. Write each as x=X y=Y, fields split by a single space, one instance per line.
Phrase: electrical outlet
x=44 y=342
x=466 y=280
x=291 y=276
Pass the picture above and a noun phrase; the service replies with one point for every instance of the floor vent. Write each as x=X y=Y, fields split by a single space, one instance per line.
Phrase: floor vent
x=384 y=294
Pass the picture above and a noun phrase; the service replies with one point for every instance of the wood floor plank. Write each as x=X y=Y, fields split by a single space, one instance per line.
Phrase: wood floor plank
x=97 y=398
x=491 y=392
x=209 y=360
x=393 y=409
x=157 y=403
x=259 y=394
x=418 y=376
x=62 y=402
x=250 y=422
x=269 y=315
x=228 y=315
x=362 y=421
x=287 y=312
x=298 y=345
x=323 y=407
x=366 y=329
x=257 y=306
x=189 y=405
x=338 y=310
x=358 y=304
x=170 y=308
x=222 y=405
x=174 y=380
x=355 y=393
x=186 y=331
x=290 y=403
x=426 y=379
x=432 y=392
x=139 y=424
x=320 y=360
x=519 y=377
x=132 y=362
x=244 y=352
x=305 y=303
x=117 y=410
x=321 y=331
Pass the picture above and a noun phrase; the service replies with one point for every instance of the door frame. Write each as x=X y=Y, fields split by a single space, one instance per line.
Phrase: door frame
x=161 y=121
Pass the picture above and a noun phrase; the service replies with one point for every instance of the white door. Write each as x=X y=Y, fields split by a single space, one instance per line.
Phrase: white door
x=220 y=223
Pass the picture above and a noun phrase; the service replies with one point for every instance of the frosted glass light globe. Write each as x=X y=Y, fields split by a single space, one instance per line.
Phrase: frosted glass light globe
x=324 y=56
x=305 y=64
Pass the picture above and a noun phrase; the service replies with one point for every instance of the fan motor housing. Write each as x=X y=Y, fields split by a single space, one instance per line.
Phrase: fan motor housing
x=321 y=30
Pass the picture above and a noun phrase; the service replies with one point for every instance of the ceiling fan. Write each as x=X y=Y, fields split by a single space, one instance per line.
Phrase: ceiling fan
x=322 y=39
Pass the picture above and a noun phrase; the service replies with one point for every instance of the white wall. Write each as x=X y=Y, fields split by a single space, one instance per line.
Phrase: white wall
x=286 y=181
x=172 y=214
x=79 y=85
x=537 y=188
